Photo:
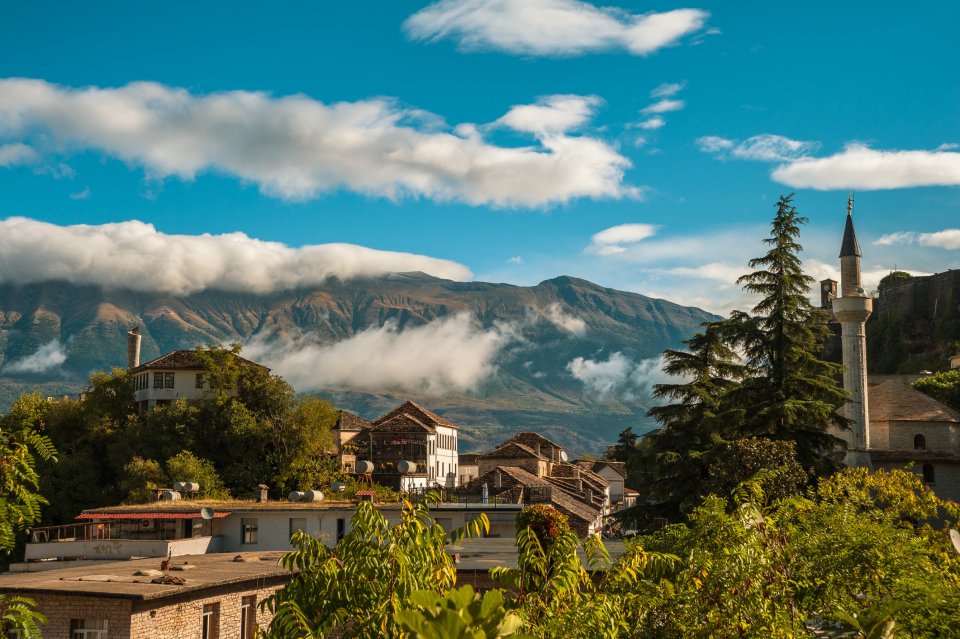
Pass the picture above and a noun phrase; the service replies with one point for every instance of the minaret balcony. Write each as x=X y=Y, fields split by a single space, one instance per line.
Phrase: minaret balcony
x=852 y=309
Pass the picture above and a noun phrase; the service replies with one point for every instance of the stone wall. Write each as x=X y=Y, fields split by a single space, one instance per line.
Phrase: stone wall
x=921 y=296
x=166 y=618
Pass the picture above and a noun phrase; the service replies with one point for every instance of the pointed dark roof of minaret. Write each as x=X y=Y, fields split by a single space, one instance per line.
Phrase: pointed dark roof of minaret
x=850 y=245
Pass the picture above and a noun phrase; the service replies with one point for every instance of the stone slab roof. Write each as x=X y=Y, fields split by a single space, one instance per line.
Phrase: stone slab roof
x=532 y=439
x=348 y=421
x=401 y=423
x=892 y=399
x=424 y=415
x=513 y=450
x=185 y=360
x=470 y=459
x=597 y=465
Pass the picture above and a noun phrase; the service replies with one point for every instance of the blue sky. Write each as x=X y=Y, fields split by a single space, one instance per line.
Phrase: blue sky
x=688 y=126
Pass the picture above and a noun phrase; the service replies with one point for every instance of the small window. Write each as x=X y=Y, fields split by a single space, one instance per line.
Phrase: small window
x=341 y=528
x=88 y=629
x=297 y=523
x=158 y=380
x=248 y=531
x=199 y=380
x=248 y=616
x=919 y=442
x=928 y=476
x=168 y=380
x=210 y=621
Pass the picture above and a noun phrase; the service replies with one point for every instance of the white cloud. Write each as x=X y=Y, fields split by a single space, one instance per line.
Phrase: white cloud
x=714 y=144
x=297 y=148
x=616 y=239
x=565 y=322
x=765 y=147
x=135 y=255
x=618 y=375
x=945 y=239
x=550 y=27
x=718 y=271
x=862 y=168
x=516 y=259
x=667 y=89
x=552 y=114
x=46 y=358
x=665 y=106
x=17 y=154
x=652 y=123
x=448 y=355
x=82 y=194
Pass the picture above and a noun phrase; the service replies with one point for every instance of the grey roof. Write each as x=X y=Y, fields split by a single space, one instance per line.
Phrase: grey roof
x=850 y=245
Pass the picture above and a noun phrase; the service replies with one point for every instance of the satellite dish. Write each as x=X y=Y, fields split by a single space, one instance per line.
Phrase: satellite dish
x=955 y=538
x=563 y=455
x=206 y=513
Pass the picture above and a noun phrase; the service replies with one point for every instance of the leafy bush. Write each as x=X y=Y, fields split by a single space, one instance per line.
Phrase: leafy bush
x=546 y=522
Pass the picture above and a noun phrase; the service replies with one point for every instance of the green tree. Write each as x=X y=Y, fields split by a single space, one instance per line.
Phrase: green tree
x=670 y=466
x=356 y=588
x=187 y=467
x=943 y=387
x=21 y=441
x=788 y=393
x=460 y=614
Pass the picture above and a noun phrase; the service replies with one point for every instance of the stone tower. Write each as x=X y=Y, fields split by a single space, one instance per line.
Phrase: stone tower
x=852 y=309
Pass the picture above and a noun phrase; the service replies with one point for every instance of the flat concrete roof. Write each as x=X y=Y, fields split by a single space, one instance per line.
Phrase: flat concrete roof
x=117 y=579
x=279 y=505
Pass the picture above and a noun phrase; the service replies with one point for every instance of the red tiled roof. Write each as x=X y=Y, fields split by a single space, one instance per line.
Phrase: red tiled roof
x=365 y=493
x=219 y=514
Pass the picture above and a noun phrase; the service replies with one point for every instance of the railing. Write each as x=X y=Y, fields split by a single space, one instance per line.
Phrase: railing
x=495 y=496
x=93 y=531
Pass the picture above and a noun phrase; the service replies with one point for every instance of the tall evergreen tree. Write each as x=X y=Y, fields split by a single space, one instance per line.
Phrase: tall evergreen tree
x=671 y=464
x=789 y=392
x=755 y=376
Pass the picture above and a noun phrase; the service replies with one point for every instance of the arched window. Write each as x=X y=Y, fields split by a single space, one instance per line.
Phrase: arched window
x=928 y=476
x=919 y=442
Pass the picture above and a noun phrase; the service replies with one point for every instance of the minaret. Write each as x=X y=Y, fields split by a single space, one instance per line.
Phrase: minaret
x=852 y=309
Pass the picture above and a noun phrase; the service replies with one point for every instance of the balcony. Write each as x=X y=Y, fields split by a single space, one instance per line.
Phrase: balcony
x=107 y=541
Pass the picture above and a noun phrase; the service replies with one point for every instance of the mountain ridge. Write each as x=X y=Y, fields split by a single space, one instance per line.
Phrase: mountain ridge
x=557 y=321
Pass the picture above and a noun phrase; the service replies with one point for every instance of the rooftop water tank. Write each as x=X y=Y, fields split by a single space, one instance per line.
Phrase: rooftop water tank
x=364 y=467
x=406 y=467
x=296 y=495
x=312 y=495
x=170 y=495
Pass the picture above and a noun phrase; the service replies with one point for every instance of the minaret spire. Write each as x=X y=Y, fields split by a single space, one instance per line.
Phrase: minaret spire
x=852 y=310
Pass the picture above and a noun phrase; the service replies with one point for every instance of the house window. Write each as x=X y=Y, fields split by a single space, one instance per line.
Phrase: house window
x=248 y=530
x=919 y=442
x=248 y=616
x=341 y=528
x=928 y=476
x=168 y=380
x=88 y=629
x=199 y=380
x=210 y=628
x=297 y=523
x=158 y=380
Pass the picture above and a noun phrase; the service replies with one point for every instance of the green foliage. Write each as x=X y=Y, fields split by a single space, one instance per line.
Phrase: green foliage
x=356 y=588
x=20 y=442
x=895 y=276
x=141 y=477
x=781 y=396
x=460 y=614
x=187 y=467
x=546 y=522
x=19 y=617
x=943 y=387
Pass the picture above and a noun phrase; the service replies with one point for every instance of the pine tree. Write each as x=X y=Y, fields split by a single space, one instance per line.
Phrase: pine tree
x=789 y=392
x=671 y=464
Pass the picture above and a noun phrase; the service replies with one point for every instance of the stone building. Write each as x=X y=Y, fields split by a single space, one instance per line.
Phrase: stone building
x=202 y=597
x=891 y=424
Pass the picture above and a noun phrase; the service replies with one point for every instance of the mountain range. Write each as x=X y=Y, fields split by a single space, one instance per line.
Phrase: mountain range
x=566 y=357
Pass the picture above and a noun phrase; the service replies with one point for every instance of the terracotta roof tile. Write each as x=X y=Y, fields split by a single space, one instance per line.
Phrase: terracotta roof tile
x=512 y=450
x=348 y=421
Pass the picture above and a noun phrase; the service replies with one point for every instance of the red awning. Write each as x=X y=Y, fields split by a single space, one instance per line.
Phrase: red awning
x=220 y=514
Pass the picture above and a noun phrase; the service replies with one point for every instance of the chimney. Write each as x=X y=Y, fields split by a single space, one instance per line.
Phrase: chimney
x=133 y=347
x=261 y=492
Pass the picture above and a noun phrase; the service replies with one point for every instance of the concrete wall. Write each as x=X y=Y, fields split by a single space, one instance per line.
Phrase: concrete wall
x=122 y=548
x=939 y=436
